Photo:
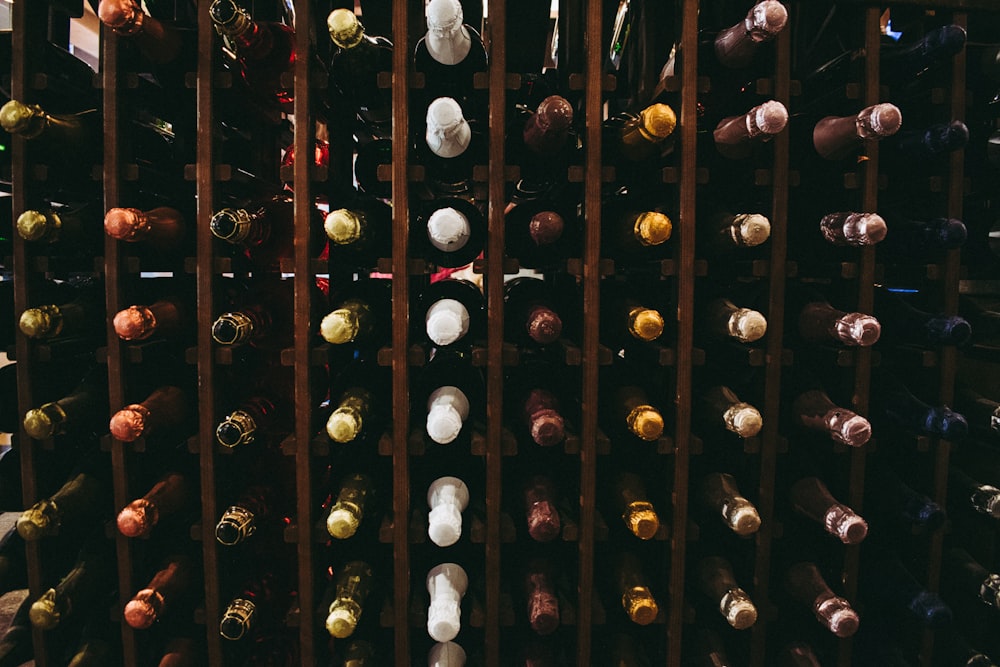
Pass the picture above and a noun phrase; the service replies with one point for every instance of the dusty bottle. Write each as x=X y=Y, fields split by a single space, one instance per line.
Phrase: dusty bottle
x=811 y=498
x=162 y=228
x=637 y=511
x=721 y=495
x=348 y=511
x=163 y=410
x=717 y=581
x=155 y=599
x=169 y=495
x=447 y=498
x=806 y=585
x=351 y=585
x=446 y=585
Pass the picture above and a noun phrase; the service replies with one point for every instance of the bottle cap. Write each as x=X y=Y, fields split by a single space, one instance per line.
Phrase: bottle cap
x=948 y=330
x=658 y=121
x=951 y=425
x=645 y=323
x=237 y=619
x=949 y=232
x=134 y=323
x=138 y=518
x=640 y=605
x=345 y=29
x=545 y=227
x=738 y=609
x=444 y=524
x=885 y=119
x=121 y=15
x=771 y=117
x=652 y=228
x=444 y=423
x=238 y=428
x=234 y=328
x=342 y=226
x=930 y=609
x=38 y=521
x=236 y=525
x=857 y=329
x=342 y=523
x=43 y=422
x=849 y=428
x=747 y=325
x=340 y=326
x=34 y=225
x=448 y=133
x=742 y=517
x=544 y=325
x=743 y=419
x=129 y=423
x=766 y=20
x=547 y=427
x=446 y=654
x=448 y=230
x=340 y=623
x=43 y=322
x=16 y=117
x=544 y=524
x=125 y=224
x=44 y=612
x=543 y=613
x=446 y=321
x=231 y=225
x=223 y=11
x=646 y=422
x=751 y=229
x=443 y=15
x=555 y=114
x=344 y=425
x=642 y=520
x=443 y=621
x=142 y=610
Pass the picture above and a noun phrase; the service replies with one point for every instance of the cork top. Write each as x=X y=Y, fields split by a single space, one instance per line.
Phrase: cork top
x=345 y=29
x=659 y=120
x=137 y=518
x=16 y=117
x=646 y=323
x=342 y=226
x=124 y=223
x=340 y=326
x=129 y=423
x=652 y=228
x=34 y=225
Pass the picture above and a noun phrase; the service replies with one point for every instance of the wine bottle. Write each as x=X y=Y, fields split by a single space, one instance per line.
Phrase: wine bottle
x=81 y=411
x=255 y=507
x=264 y=230
x=907 y=62
x=723 y=319
x=82 y=316
x=167 y=317
x=717 y=581
x=60 y=228
x=531 y=315
x=372 y=158
x=161 y=229
x=897 y=506
x=720 y=494
x=968 y=579
x=917 y=237
x=449 y=231
x=354 y=68
x=811 y=498
x=171 y=494
x=540 y=141
x=932 y=141
x=735 y=136
x=632 y=503
x=819 y=322
x=73 y=508
x=453 y=311
x=450 y=147
x=449 y=55
x=544 y=524
x=152 y=602
x=262 y=51
x=852 y=229
x=451 y=393
x=642 y=136
x=351 y=586
x=814 y=410
x=806 y=585
x=535 y=405
x=540 y=232
x=79 y=590
x=257 y=604
x=540 y=595
x=968 y=495
x=631 y=410
x=633 y=588
x=907 y=323
x=264 y=319
x=347 y=513
x=626 y=317
x=358 y=403
x=446 y=654
x=75 y=137
x=736 y=46
x=722 y=231
x=837 y=137
x=446 y=585
x=721 y=406
x=362 y=315
x=257 y=419
x=360 y=234
x=447 y=498
x=892 y=588
x=163 y=410
x=158 y=41
x=898 y=405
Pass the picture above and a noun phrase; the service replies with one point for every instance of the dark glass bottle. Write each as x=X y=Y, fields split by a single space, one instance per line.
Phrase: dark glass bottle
x=631 y=585
x=172 y=582
x=171 y=494
x=721 y=318
x=264 y=51
x=905 y=62
x=163 y=410
x=62 y=228
x=968 y=579
x=819 y=322
x=721 y=231
x=167 y=317
x=160 y=229
x=255 y=507
x=970 y=496
x=897 y=404
x=838 y=137
x=449 y=148
x=360 y=234
x=814 y=410
x=735 y=136
x=260 y=417
x=721 y=407
x=68 y=137
x=79 y=590
x=629 y=234
x=359 y=400
x=736 y=46
x=74 y=508
x=932 y=141
x=453 y=312
x=806 y=585
x=848 y=228
x=905 y=322
x=917 y=237
x=351 y=586
x=811 y=498
x=642 y=136
x=982 y=413
x=449 y=55
x=717 y=581
x=82 y=316
x=531 y=311
x=540 y=596
x=81 y=411
x=631 y=501
x=895 y=506
x=891 y=587
x=720 y=495
x=544 y=524
x=630 y=410
x=451 y=395
x=355 y=64
x=541 y=142
x=158 y=41
x=627 y=317
x=348 y=511
x=264 y=320
x=261 y=600
x=539 y=233
x=449 y=231
x=265 y=230
x=535 y=406
x=361 y=315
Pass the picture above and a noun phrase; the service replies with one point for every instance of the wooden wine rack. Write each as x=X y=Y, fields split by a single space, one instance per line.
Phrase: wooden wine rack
x=581 y=61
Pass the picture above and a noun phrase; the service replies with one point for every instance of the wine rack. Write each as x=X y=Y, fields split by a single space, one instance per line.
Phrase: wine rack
x=582 y=73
